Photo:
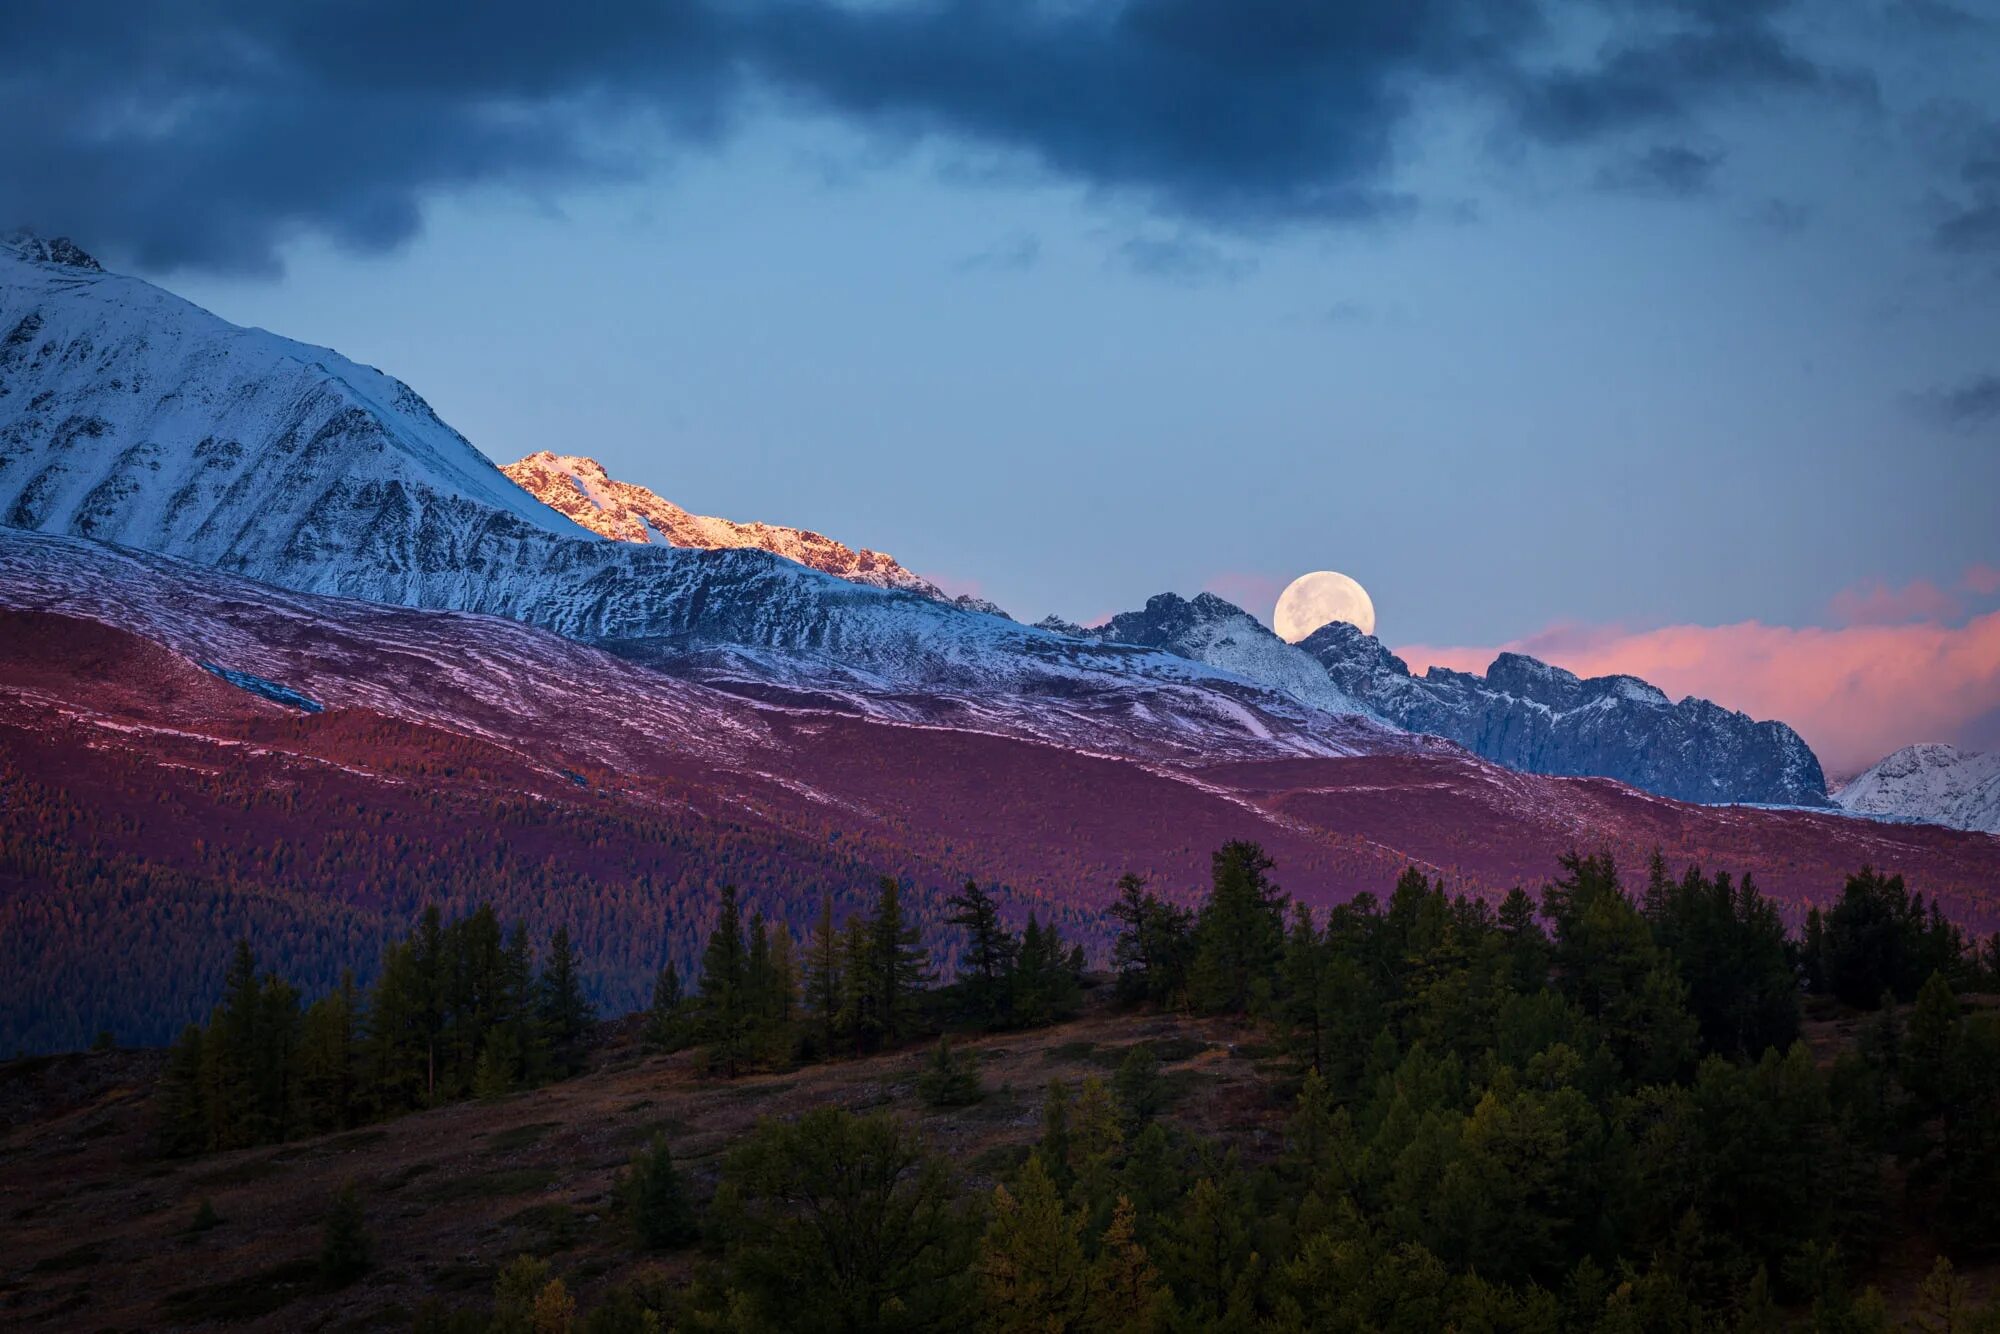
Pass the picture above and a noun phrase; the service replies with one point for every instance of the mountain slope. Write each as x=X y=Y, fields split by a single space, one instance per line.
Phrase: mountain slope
x=1528 y=715
x=187 y=756
x=1934 y=783
x=581 y=490
x=130 y=416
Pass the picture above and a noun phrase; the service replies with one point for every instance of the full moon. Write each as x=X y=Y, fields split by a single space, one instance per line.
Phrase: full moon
x=1320 y=598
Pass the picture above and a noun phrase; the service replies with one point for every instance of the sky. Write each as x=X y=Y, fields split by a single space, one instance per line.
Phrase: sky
x=1658 y=336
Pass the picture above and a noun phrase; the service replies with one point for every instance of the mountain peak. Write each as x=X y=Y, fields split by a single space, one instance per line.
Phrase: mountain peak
x=1931 y=782
x=580 y=488
x=59 y=250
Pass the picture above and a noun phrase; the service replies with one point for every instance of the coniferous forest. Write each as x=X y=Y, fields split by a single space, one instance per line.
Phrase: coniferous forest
x=1595 y=1108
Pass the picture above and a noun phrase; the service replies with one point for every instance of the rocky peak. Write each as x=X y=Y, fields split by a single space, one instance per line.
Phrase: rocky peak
x=51 y=250
x=1169 y=617
x=1527 y=714
x=1351 y=648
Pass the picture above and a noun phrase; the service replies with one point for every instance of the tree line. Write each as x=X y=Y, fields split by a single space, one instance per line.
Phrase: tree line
x=1586 y=1110
x=458 y=1009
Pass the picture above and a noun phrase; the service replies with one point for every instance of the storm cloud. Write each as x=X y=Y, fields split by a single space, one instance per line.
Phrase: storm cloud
x=208 y=135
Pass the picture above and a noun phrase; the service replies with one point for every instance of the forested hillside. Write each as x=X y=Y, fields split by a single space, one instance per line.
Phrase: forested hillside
x=1599 y=1107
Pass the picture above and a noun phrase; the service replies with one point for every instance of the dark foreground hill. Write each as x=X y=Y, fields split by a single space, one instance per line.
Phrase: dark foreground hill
x=95 y=1232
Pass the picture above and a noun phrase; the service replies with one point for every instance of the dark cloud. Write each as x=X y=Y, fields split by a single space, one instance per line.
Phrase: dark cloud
x=212 y=132
x=1188 y=260
x=1970 y=224
x=1675 y=58
x=1973 y=403
x=1673 y=171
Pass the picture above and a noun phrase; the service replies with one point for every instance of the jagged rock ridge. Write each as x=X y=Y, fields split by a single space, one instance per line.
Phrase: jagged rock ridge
x=1529 y=715
x=1524 y=713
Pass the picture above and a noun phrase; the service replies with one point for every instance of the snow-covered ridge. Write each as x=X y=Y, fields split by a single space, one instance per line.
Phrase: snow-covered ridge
x=580 y=489
x=1527 y=714
x=1932 y=783
x=130 y=416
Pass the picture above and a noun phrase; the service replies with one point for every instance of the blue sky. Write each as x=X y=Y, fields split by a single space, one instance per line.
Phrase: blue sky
x=1681 y=333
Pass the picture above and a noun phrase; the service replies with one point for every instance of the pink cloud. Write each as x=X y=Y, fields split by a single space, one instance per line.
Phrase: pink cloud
x=1981 y=580
x=1855 y=692
x=1875 y=603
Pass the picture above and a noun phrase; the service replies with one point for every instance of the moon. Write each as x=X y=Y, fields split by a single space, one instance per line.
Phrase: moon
x=1320 y=598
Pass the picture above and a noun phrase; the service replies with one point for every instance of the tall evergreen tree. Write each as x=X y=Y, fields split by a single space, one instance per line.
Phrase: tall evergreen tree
x=726 y=1000
x=901 y=969
x=985 y=974
x=824 y=992
x=565 y=1012
x=666 y=1015
x=1239 y=934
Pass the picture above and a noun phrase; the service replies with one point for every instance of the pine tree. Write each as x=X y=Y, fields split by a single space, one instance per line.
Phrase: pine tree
x=328 y=1056
x=948 y=1079
x=784 y=988
x=989 y=956
x=1131 y=952
x=725 y=989
x=1032 y=1272
x=1141 y=1092
x=655 y=1200
x=1054 y=1146
x=861 y=995
x=498 y=1071
x=1125 y=1292
x=823 y=984
x=666 y=1016
x=565 y=1014
x=182 y=1099
x=901 y=969
x=1239 y=935
x=344 y=1246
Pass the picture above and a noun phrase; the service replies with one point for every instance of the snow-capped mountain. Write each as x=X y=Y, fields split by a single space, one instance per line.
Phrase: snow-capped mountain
x=1529 y=715
x=131 y=416
x=1221 y=634
x=128 y=415
x=1524 y=713
x=580 y=489
x=1932 y=783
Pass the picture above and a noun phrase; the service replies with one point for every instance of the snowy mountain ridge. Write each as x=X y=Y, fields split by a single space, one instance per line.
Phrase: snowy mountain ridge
x=130 y=416
x=1931 y=782
x=580 y=489
x=1527 y=714
x=1221 y=634
x=1524 y=713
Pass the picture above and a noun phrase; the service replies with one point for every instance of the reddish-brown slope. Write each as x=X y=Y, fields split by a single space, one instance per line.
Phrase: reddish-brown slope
x=150 y=812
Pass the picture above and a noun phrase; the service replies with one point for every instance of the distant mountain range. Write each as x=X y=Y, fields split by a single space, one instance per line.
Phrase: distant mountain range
x=276 y=637
x=1523 y=713
x=1934 y=783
